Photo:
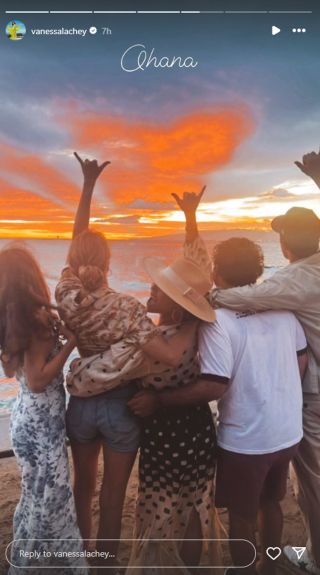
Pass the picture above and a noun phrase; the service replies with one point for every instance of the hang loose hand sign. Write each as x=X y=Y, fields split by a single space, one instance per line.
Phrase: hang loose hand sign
x=310 y=166
x=189 y=201
x=90 y=168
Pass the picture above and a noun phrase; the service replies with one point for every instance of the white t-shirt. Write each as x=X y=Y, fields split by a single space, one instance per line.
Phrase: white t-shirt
x=261 y=411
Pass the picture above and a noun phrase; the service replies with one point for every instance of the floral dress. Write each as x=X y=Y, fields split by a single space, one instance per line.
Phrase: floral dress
x=46 y=509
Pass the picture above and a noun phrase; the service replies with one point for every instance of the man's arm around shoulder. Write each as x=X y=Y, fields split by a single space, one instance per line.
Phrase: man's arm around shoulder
x=282 y=291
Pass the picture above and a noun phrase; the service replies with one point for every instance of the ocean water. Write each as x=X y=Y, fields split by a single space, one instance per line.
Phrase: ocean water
x=126 y=275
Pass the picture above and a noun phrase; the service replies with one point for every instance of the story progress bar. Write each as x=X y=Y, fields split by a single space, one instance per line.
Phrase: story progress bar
x=158 y=11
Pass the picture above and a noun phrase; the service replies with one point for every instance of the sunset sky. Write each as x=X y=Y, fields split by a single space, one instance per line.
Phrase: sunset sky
x=236 y=123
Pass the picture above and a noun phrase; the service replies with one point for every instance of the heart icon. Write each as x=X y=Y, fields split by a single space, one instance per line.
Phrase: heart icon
x=273 y=552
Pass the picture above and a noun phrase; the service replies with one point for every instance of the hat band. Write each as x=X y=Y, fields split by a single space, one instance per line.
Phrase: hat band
x=186 y=290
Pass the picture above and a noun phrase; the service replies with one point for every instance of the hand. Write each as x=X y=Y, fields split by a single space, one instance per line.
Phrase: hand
x=144 y=403
x=9 y=364
x=189 y=201
x=310 y=165
x=90 y=168
x=66 y=334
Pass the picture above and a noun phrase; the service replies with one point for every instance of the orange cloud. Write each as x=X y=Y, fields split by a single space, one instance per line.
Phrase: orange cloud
x=37 y=172
x=19 y=204
x=43 y=202
x=151 y=161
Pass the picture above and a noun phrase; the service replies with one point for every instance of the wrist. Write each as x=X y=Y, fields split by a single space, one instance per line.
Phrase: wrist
x=316 y=179
x=88 y=185
x=190 y=216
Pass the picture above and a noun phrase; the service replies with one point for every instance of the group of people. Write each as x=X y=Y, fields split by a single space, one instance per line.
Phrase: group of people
x=254 y=348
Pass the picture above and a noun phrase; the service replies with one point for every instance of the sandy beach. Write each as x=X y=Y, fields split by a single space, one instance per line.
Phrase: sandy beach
x=10 y=487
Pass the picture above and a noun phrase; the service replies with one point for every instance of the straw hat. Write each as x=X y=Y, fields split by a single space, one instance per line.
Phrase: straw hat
x=184 y=283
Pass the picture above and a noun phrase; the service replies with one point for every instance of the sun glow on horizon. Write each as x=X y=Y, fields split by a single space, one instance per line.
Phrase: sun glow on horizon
x=251 y=212
x=255 y=209
x=39 y=194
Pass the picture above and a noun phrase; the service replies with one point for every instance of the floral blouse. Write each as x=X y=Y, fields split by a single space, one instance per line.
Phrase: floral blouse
x=103 y=317
x=122 y=360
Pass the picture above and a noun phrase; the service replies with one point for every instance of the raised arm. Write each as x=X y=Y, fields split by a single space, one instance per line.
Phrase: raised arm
x=310 y=166
x=91 y=171
x=194 y=248
x=189 y=204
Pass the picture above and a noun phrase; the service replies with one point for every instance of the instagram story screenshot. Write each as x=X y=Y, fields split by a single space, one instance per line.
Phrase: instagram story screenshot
x=160 y=287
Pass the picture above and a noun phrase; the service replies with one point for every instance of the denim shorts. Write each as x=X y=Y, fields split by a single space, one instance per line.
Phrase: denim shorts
x=106 y=417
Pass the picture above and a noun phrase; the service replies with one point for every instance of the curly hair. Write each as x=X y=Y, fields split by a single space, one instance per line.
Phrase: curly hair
x=238 y=261
x=23 y=294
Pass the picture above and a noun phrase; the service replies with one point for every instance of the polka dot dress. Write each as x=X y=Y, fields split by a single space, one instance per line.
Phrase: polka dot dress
x=176 y=473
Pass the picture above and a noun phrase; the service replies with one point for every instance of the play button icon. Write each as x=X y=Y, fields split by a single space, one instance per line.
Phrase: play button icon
x=275 y=30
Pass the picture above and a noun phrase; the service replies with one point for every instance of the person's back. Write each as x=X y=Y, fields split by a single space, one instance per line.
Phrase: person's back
x=251 y=360
x=296 y=288
x=261 y=412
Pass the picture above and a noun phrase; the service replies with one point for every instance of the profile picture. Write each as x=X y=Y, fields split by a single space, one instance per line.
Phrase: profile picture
x=15 y=30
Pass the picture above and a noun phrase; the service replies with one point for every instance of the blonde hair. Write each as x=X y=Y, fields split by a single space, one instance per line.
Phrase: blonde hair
x=89 y=258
